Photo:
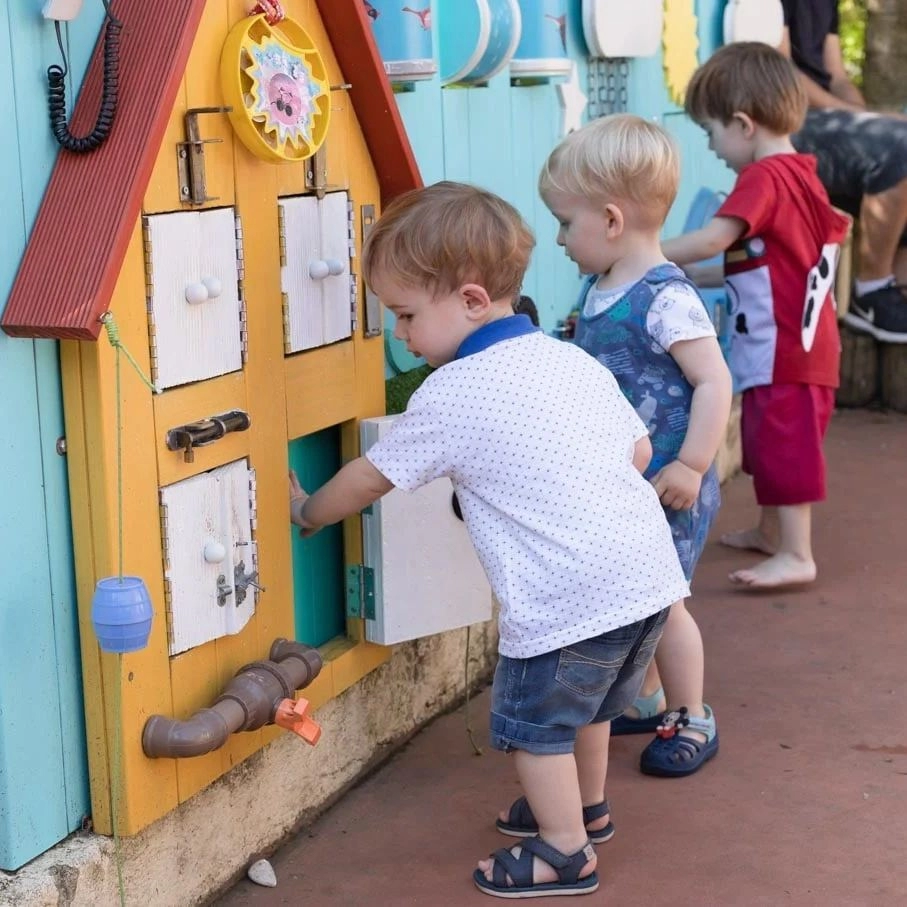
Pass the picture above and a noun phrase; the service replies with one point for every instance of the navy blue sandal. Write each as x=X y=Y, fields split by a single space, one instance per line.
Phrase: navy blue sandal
x=671 y=755
x=519 y=869
x=521 y=823
x=648 y=720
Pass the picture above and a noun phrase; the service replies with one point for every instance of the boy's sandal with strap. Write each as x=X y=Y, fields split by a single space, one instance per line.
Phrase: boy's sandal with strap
x=671 y=754
x=519 y=870
x=521 y=823
x=648 y=720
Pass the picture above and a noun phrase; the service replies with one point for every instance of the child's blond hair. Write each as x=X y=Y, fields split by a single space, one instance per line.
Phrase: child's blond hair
x=448 y=234
x=752 y=78
x=616 y=157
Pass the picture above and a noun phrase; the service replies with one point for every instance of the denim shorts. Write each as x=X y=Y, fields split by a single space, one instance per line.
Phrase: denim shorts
x=538 y=703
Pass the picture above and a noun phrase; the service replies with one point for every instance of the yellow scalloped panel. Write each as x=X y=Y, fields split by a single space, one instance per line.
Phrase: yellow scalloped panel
x=275 y=80
x=681 y=44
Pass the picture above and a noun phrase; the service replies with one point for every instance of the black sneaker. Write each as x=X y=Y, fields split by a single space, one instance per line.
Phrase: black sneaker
x=882 y=313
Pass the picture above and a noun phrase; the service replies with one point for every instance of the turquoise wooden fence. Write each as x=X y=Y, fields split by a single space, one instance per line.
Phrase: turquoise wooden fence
x=43 y=770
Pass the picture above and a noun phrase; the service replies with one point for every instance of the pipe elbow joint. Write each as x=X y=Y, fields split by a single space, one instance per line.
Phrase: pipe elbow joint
x=204 y=732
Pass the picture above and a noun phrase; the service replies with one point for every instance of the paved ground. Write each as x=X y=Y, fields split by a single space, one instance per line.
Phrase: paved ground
x=806 y=803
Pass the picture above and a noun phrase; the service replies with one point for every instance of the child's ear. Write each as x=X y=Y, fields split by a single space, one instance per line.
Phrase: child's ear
x=614 y=221
x=477 y=300
x=746 y=123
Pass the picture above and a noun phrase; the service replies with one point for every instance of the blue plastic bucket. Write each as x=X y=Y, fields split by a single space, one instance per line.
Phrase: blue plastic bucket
x=403 y=35
x=542 y=50
x=121 y=613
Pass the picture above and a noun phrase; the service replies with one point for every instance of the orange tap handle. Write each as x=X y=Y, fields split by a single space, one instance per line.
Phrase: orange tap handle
x=293 y=715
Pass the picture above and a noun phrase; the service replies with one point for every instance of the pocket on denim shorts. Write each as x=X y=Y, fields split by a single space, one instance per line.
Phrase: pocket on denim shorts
x=590 y=667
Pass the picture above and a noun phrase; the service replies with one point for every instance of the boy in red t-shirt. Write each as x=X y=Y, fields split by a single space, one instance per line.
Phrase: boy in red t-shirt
x=781 y=238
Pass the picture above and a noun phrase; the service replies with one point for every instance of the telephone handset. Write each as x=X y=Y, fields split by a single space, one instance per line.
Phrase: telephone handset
x=56 y=79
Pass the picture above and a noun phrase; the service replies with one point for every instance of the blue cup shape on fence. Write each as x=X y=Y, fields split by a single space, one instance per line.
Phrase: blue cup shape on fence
x=121 y=613
x=542 y=50
x=478 y=39
x=403 y=35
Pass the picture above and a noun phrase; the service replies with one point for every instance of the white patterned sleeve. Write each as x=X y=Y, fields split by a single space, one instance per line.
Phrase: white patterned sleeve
x=678 y=313
x=414 y=452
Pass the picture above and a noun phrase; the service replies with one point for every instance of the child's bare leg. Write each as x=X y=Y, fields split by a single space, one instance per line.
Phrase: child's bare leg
x=551 y=785
x=681 y=663
x=651 y=684
x=590 y=753
x=792 y=563
x=763 y=537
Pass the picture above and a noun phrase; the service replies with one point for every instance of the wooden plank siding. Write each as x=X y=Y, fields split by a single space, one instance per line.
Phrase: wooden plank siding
x=43 y=773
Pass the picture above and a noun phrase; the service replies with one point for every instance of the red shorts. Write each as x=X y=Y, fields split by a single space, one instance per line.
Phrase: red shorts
x=782 y=429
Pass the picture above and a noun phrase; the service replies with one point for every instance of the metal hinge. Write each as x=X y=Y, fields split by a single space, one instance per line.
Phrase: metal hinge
x=372 y=305
x=149 y=297
x=360 y=591
x=241 y=292
x=285 y=307
x=351 y=225
x=168 y=586
x=354 y=303
x=253 y=505
x=282 y=235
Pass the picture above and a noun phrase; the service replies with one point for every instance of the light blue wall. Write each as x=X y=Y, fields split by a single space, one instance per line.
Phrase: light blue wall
x=498 y=136
x=43 y=771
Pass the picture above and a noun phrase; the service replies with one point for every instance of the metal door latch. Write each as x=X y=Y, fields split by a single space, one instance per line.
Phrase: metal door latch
x=190 y=158
x=242 y=581
x=206 y=431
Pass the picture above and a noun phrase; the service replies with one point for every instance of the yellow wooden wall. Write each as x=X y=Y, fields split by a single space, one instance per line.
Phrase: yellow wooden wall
x=286 y=397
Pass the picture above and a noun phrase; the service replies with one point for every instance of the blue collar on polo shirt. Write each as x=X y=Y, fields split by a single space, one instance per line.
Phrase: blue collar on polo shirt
x=494 y=332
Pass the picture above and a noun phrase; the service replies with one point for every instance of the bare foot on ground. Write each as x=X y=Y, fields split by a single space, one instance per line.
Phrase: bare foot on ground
x=782 y=569
x=748 y=540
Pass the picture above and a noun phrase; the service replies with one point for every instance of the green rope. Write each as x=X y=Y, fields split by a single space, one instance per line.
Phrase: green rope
x=115 y=784
x=469 y=733
x=113 y=335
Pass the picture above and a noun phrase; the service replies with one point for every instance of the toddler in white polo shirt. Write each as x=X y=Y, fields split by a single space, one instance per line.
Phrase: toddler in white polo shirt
x=546 y=457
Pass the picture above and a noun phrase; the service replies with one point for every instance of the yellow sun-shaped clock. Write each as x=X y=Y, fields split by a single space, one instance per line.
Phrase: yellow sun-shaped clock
x=275 y=80
x=681 y=43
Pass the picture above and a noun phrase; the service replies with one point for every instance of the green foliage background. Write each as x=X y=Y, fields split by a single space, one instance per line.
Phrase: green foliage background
x=853 y=36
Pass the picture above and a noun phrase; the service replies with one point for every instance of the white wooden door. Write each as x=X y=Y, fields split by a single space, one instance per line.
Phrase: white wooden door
x=209 y=550
x=194 y=295
x=316 y=277
x=428 y=578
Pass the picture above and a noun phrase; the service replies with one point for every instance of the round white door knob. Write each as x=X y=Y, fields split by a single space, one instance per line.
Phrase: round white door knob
x=319 y=269
x=196 y=293
x=215 y=552
x=213 y=286
x=335 y=267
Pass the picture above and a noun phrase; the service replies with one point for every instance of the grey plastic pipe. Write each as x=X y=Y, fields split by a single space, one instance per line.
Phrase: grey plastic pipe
x=249 y=702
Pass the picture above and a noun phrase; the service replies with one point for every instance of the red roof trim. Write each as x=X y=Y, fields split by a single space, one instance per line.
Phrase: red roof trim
x=77 y=247
x=351 y=36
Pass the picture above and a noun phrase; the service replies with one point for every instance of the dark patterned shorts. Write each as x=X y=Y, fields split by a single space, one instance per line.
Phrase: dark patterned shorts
x=858 y=154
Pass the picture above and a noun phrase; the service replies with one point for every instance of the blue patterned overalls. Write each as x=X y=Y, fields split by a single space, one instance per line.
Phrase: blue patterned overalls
x=655 y=386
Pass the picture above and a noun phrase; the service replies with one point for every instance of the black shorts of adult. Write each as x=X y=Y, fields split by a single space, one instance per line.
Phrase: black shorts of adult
x=859 y=153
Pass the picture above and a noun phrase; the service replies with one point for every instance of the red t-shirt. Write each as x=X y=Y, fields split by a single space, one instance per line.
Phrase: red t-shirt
x=779 y=275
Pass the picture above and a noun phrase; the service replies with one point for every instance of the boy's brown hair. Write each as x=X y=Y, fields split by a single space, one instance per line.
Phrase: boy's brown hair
x=448 y=234
x=621 y=156
x=752 y=78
